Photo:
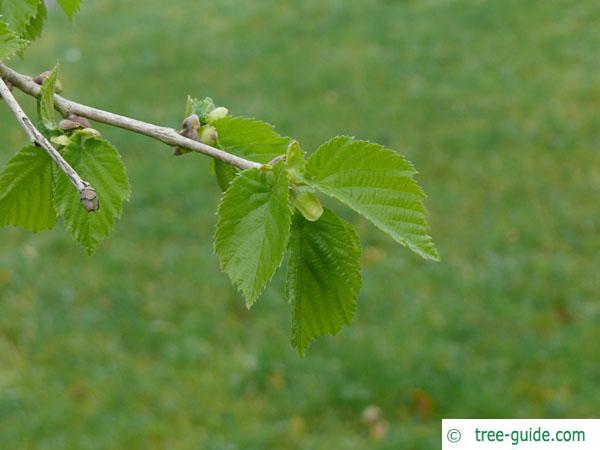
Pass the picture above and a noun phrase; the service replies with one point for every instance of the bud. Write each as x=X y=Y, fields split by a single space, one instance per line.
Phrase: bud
x=89 y=133
x=216 y=114
x=309 y=205
x=191 y=123
x=89 y=199
x=208 y=135
x=294 y=161
x=68 y=125
x=61 y=140
x=39 y=79
x=80 y=120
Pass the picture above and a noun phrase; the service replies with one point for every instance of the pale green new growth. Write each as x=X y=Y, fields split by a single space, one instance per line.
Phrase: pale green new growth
x=295 y=162
x=98 y=162
x=253 y=229
x=377 y=183
x=10 y=43
x=26 y=191
x=323 y=277
x=46 y=100
x=199 y=107
x=249 y=138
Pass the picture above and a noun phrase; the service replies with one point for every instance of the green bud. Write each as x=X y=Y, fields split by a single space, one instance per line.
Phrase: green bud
x=309 y=205
x=89 y=133
x=208 y=135
x=294 y=161
x=216 y=114
x=61 y=140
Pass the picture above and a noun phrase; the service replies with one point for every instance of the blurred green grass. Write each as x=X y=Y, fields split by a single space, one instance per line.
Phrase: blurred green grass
x=146 y=345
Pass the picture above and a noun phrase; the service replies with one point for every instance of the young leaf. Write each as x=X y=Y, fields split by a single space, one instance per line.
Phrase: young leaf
x=248 y=138
x=70 y=7
x=253 y=229
x=34 y=28
x=323 y=277
x=18 y=13
x=46 y=100
x=99 y=163
x=199 y=107
x=10 y=43
x=377 y=183
x=26 y=191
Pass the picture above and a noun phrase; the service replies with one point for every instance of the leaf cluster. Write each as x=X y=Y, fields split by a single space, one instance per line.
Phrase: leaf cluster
x=270 y=211
x=265 y=213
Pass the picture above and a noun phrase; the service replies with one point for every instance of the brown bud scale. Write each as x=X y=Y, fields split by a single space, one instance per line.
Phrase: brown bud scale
x=89 y=199
x=80 y=120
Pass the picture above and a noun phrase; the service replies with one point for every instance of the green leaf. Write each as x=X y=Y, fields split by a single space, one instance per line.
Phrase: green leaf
x=253 y=229
x=323 y=277
x=18 y=13
x=34 y=28
x=377 y=183
x=225 y=174
x=99 y=163
x=26 y=191
x=248 y=138
x=70 y=7
x=46 y=101
x=10 y=43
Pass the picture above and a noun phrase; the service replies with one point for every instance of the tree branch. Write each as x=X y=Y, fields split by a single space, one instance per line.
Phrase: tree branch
x=87 y=193
x=166 y=135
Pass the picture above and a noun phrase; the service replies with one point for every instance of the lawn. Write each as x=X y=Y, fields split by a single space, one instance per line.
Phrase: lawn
x=147 y=346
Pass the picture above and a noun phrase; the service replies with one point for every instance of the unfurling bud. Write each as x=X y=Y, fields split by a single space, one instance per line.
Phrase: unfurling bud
x=89 y=199
x=61 y=140
x=295 y=162
x=216 y=114
x=208 y=135
x=89 y=133
x=43 y=76
x=309 y=205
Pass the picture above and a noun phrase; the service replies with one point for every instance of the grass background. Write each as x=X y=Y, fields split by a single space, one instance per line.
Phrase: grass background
x=147 y=346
